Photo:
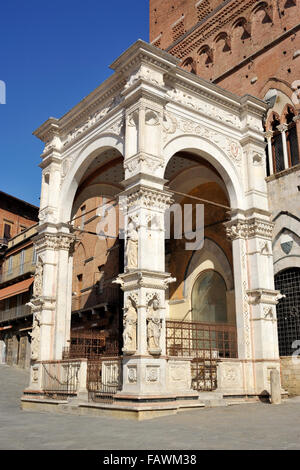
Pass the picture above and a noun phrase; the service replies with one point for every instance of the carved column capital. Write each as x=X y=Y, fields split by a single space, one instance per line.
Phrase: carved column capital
x=282 y=127
x=249 y=228
x=269 y=134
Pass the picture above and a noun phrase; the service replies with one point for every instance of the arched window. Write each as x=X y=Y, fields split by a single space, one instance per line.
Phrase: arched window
x=291 y=138
x=288 y=310
x=189 y=65
x=209 y=303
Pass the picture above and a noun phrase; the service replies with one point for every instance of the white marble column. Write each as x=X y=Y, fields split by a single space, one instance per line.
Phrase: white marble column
x=268 y=136
x=50 y=303
x=256 y=299
x=283 y=128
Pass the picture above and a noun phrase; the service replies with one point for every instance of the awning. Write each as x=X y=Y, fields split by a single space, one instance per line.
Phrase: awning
x=16 y=289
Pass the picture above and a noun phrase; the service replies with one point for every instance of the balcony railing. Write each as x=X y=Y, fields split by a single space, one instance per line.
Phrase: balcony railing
x=13 y=313
x=16 y=271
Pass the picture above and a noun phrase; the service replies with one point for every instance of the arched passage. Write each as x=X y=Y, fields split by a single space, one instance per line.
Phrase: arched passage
x=96 y=307
x=201 y=300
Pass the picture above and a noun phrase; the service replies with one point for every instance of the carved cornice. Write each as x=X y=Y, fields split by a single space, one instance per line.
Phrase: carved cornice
x=143 y=163
x=133 y=280
x=265 y=296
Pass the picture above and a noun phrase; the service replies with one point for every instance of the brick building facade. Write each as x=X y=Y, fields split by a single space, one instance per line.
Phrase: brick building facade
x=17 y=229
x=249 y=46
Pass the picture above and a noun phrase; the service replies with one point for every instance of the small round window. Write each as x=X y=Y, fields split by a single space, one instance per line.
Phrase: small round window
x=209 y=303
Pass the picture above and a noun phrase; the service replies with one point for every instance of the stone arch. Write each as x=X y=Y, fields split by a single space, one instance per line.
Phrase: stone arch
x=276 y=84
x=286 y=221
x=273 y=116
x=286 y=262
x=217 y=260
x=79 y=167
x=288 y=108
x=215 y=156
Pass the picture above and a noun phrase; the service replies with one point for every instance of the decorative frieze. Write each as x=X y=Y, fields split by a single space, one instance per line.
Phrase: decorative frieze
x=204 y=107
x=115 y=127
x=173 y=124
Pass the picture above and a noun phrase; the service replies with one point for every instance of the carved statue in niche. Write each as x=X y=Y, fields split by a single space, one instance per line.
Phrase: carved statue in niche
x=153 y=327
x=35 y=337
x=129 y=332
x=38 y=279
x=132 y=246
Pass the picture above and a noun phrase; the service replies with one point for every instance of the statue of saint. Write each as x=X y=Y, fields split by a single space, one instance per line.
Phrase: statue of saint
x=129 y=332
x=35 y=337
x=153 y=327
x=38 y=279
x=132 y=246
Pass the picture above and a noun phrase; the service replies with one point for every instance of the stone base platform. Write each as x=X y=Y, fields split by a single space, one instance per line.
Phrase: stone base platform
x=126 y=410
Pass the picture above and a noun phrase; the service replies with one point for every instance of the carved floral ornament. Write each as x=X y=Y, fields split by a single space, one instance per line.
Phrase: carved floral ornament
x=173 y=124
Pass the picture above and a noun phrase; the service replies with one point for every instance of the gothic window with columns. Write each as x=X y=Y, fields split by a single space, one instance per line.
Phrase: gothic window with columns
x=291 y=138
x=277 y=146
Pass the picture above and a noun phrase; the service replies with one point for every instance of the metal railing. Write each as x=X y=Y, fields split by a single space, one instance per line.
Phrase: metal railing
x=206 y=344
x=15 y=312
x=91 y=344
x=60 y=378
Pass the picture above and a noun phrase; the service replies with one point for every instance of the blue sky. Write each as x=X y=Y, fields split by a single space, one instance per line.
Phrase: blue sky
x=52 y=54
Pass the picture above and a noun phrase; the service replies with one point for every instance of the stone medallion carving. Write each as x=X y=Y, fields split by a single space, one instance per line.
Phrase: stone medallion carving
x=132 y=374
x=152 y=374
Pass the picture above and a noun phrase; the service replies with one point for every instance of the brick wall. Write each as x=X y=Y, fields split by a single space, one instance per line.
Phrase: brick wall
x=237 y=39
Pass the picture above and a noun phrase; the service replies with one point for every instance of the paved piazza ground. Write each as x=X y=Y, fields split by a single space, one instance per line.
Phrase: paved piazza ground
x=250 y=426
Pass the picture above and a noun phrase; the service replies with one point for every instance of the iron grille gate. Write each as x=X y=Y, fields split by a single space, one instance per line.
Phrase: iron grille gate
x=288 y=310
x=104 y=378
x=206 y=343
x=104 y=367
